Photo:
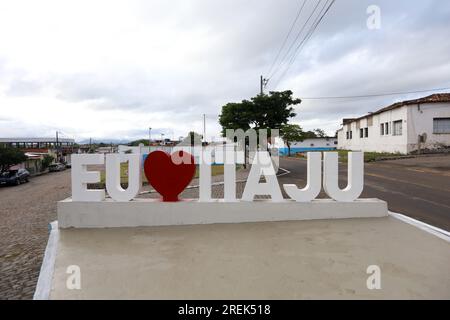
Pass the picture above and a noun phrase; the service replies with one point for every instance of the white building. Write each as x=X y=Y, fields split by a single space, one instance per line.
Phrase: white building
x=402 y=127
x=310 y=144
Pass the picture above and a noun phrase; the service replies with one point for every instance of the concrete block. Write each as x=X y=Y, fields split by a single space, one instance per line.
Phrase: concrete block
x=153 y=212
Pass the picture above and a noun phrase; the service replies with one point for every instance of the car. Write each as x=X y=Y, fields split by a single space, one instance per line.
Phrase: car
x=14 y=177
x=56 y=167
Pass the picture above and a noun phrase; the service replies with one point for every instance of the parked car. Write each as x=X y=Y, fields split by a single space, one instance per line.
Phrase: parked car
x=68 y=165
x=56 y=167
x=14 y=177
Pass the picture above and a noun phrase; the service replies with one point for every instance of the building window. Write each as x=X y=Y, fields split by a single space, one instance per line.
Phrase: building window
x=347 y=135
x=361 y=133
x=312 y=144
x=335 y=142
x=351 y=134
x=366 y=132
x=397 y=128
x=382 y=129
x=386 y=128
x=441 y=125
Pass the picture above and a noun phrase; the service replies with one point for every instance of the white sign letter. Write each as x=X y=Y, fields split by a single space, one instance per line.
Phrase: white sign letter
x=314 y=177
x=113 y=168
x=205 y=175
x=262 y=165
x=355 y=176
x=81 y=177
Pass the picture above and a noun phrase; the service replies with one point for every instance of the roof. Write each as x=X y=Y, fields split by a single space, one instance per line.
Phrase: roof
x=29 y=140
x=434 y=98
x=323 y=138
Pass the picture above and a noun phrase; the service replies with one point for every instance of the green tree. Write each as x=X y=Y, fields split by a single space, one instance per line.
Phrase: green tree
x=320 y=133
x=309 y=135
x=290 y=133
x=48 y=159
x=265 y=111
x=135 y=143
x=236 y=116
x=9 y=157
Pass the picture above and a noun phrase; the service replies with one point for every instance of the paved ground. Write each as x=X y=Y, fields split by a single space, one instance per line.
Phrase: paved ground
x=25 y=212
x=314 y=259
x=417 y=187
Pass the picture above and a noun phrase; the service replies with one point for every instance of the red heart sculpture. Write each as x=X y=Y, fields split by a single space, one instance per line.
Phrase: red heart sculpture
x=169 y=174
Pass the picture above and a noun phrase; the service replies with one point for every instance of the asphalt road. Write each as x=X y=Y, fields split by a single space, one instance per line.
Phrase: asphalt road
x=416 y=187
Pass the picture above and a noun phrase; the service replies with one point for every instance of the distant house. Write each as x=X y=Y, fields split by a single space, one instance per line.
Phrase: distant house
x=36 y=148
x=310 y=144
x=402 y=127
x=104 y=150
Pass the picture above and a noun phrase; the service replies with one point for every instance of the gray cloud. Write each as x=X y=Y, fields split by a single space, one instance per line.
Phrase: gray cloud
x=239 y=40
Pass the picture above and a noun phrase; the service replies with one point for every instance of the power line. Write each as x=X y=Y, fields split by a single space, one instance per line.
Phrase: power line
x=283 y=60
x=374 y=95
x=287 y=36
x=308 y=35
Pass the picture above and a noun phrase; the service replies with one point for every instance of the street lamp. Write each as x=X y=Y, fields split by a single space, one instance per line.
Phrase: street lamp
x=149 y=136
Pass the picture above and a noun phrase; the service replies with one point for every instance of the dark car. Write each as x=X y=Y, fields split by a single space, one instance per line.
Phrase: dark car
x=14 y=177
x=56 y=167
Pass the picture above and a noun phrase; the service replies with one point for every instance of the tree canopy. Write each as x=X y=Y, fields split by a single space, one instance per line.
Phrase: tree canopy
x=265 y=111
x=9 y=157
x=319 y=133
x=290 y=133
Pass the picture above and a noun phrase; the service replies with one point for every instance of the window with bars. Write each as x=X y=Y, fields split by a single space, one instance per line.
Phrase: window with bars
x=382 y=129
x=397 y=127
x=386 y=128
x=441 y=125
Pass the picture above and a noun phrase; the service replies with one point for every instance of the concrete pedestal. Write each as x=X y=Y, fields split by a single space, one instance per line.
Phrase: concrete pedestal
x=151 y=212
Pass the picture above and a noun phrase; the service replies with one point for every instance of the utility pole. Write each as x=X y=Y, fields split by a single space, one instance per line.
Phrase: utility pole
x=57 y=147
x=204 y=127
x=263 y=82
x=149 y=136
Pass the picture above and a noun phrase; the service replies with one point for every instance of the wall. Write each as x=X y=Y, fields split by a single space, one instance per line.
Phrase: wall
x=421 y=121
x=315 y=144
x=375 y=141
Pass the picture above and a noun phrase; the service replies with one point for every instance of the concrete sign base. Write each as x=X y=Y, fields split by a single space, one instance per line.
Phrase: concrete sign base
x=151 y=212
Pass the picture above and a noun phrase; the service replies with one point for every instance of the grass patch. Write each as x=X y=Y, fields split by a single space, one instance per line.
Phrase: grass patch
x=368 y=156
x=215 y=170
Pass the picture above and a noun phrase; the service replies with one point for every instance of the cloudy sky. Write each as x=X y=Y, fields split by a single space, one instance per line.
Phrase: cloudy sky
x=111 y=69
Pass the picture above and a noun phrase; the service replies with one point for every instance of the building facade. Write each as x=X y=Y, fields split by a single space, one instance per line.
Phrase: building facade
x=36 y=148
x=404 y=127
x=310 y=144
